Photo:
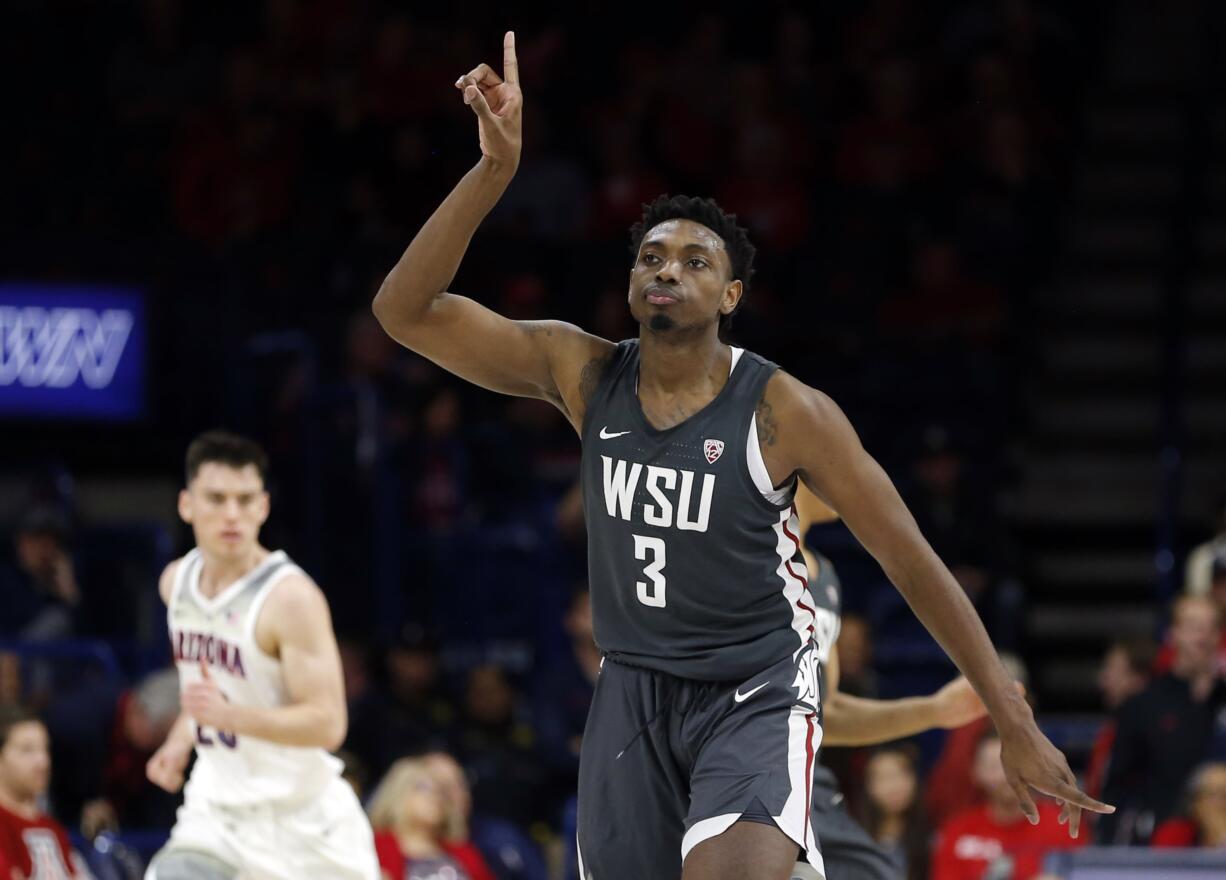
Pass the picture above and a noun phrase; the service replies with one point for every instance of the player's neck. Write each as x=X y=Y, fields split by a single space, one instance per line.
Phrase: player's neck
x=27 y=808
x=220 y=572
x=676 y=361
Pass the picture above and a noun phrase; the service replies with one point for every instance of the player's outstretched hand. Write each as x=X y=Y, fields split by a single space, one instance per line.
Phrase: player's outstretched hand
x=1031 y=761
x=167 y=766
x=499 y=106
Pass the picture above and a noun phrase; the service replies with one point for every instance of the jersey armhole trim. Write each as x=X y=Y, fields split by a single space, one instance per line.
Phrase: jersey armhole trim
x=257 y=605
x=778 y=498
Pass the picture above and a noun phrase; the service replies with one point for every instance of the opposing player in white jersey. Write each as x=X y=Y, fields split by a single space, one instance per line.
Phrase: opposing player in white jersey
x=262 y=695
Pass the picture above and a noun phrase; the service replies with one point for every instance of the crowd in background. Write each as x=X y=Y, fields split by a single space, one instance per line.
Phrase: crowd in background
x=258 y=167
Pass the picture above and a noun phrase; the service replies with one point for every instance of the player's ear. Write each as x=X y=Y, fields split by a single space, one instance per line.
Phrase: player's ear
x=732 y=296
x=185 y=505
x=265 y=506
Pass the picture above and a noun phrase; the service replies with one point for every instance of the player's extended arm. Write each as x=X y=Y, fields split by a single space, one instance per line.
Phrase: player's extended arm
x=857 y=721
x=803 y=432
x=316 y=714
x=543 y=359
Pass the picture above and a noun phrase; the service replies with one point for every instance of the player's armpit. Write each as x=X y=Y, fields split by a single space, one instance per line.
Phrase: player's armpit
x=542 y=359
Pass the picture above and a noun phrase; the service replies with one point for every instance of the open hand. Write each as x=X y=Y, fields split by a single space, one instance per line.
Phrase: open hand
x=499 y=105
x=1031 y=761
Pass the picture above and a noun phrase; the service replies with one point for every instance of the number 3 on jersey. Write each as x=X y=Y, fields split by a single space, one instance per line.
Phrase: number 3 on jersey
x=651 y=594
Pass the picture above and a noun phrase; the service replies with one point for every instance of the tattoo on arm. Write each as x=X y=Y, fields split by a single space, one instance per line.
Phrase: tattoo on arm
x=590 y=376
x=767 y=427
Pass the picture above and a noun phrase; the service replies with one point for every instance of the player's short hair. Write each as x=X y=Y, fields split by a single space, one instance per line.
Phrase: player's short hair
x=11 y=715
x=223 y=447
x=707 y=212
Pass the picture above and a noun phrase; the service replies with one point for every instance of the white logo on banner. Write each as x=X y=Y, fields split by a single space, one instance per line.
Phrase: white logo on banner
x=53 y=348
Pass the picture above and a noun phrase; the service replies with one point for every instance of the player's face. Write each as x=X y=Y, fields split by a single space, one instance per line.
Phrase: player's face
x=682 y=278
x=1195 y=634
x=225 y=506
x=25 y=761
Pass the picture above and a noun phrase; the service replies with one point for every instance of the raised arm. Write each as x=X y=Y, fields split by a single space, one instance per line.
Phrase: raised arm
x=543 y=359
x=804 y=433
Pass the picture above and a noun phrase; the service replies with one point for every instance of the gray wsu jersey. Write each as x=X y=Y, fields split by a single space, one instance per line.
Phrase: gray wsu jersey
x=693 y=571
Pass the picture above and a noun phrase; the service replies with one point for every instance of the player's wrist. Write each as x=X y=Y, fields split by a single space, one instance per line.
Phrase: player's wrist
x=498 y=170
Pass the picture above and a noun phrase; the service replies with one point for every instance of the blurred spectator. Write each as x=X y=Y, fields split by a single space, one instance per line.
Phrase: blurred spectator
x=410 y=816
x=564 y=691
x=496 y=746
x=418 y=713
x=440 y=463
x=1165 y=731
x=490 y=847
x=980 y=842
x=855 y=646
x=1198 y=572
x=1217 y=593
x=1124 y=673
x=103 y=740
x=32 y=844
x=1204 y=820
x=952 y=787
x=39 y=593
x=892 y=811
x=453 y=785
x=958 y=518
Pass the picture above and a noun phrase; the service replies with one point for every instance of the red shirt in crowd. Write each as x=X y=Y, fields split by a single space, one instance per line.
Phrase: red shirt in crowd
x=971 y=841
x=35 y=847
x=1177 y=833
x=391 y=859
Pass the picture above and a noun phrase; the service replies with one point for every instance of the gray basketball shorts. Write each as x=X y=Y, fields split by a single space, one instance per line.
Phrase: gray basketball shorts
x=848 y=851
x=669 y=762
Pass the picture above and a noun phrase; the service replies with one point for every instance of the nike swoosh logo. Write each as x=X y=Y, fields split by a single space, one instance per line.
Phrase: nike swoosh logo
x=605 y=435
x=742 y=697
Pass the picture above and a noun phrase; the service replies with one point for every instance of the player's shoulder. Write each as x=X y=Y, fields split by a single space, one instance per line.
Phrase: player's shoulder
x=166 y=581
x=295 y=591
x=792 y=412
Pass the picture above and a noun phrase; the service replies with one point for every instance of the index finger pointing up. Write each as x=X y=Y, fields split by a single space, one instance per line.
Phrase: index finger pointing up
x=510 y=64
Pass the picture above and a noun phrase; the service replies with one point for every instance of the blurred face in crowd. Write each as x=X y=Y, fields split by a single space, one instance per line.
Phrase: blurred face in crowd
x=226 y=507
x=1195 y=635
x=855 y=646
x=25 y=762
x=579 y=618
x=890 y=781
x=1208 y=809
x=1117 y=679
x=411 y=671
x=423 y=802
x=489 y=698
x=682 y=279
x=37 y=552
x=452 y=783
x=989 y=774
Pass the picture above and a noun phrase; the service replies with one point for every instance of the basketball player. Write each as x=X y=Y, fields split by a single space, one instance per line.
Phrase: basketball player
x=848 y=852
x=697 y=761
x=262 y=695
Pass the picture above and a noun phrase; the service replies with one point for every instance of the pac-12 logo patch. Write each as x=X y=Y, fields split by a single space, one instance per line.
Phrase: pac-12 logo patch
x=713 y=449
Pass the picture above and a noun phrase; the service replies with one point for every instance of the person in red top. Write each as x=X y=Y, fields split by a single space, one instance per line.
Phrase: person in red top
x=994 y=839
x=417 y=827
x=1124 y=673
x=1205 y=823
x=32 y=844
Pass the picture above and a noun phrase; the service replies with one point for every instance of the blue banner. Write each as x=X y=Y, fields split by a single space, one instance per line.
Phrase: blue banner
x=72 y=351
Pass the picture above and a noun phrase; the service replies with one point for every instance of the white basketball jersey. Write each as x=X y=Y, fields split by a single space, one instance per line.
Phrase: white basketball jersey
x=235 y=769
